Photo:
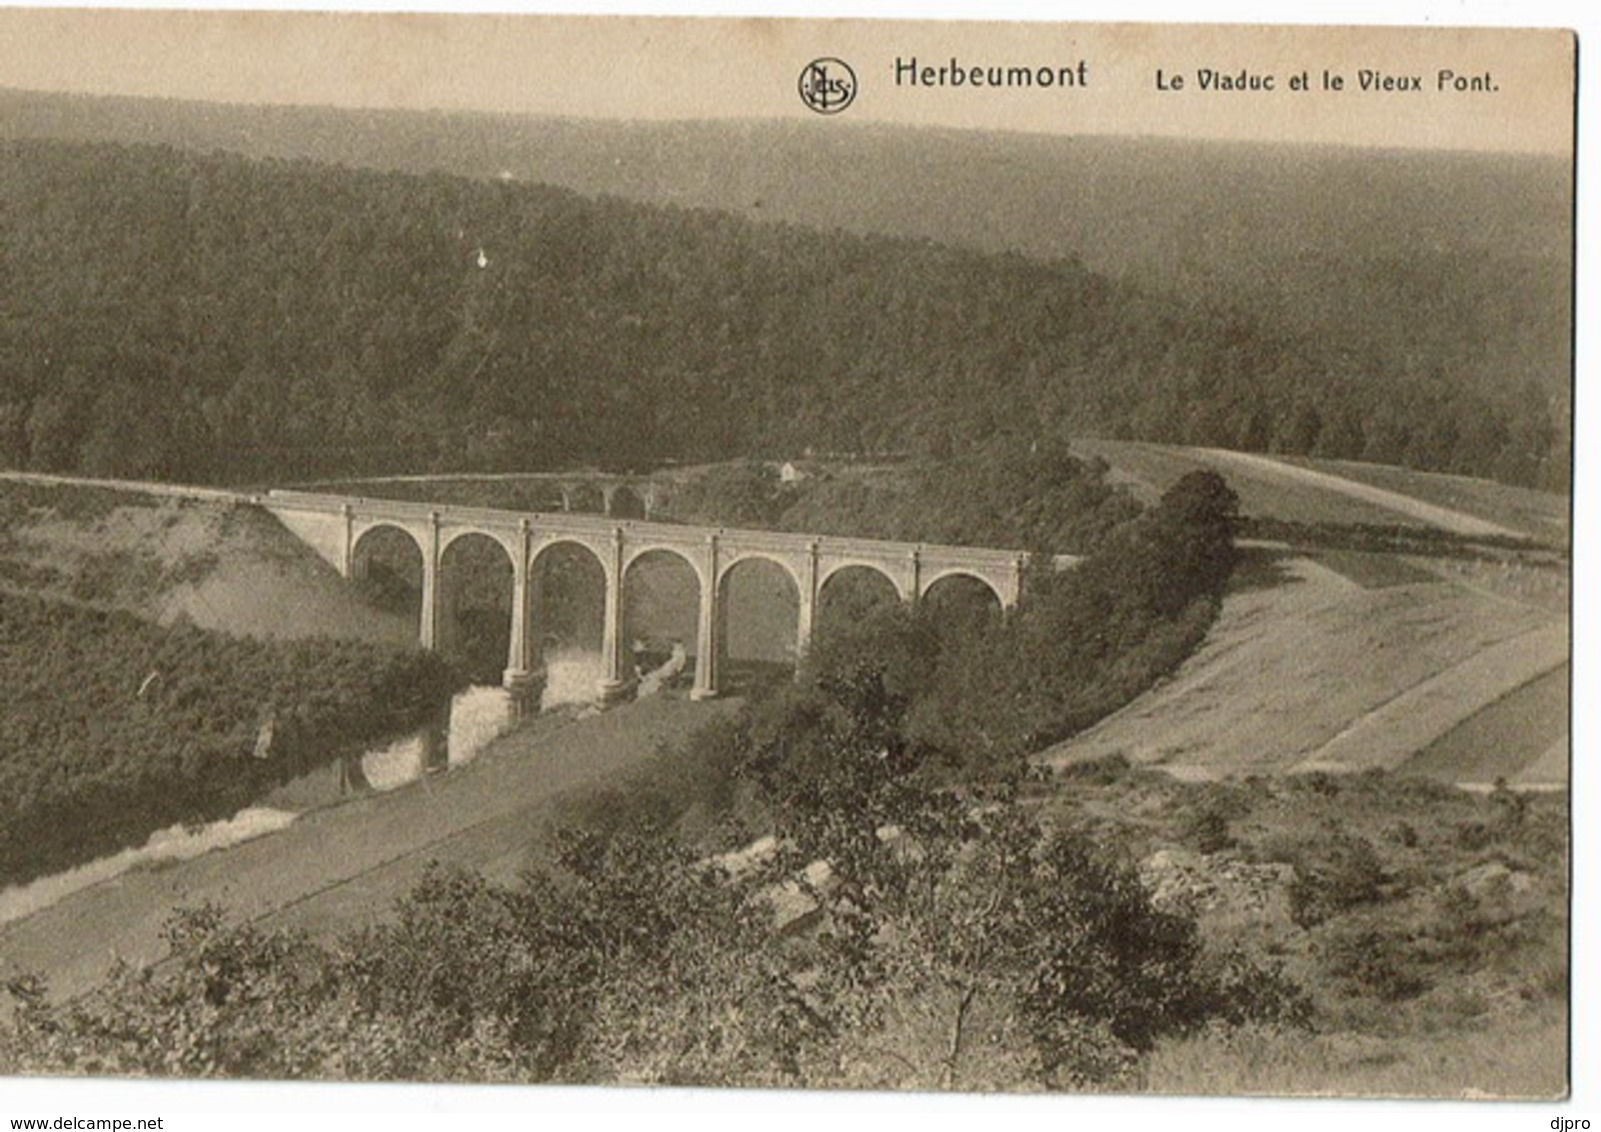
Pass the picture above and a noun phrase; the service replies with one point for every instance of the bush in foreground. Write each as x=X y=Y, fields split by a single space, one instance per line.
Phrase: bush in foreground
x=987 y=955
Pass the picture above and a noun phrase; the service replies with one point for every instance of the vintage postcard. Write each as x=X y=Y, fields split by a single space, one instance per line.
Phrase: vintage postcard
x=842 y=554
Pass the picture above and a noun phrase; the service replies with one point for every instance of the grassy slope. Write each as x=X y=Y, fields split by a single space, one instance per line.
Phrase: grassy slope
x=1542 y=515
x=1343 y=491
x=1298 y=655
x=1343 y=659
x=223 y=566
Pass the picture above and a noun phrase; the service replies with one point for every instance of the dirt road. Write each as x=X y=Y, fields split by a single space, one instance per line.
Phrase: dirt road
x=1443 y=517
x=1272 y=488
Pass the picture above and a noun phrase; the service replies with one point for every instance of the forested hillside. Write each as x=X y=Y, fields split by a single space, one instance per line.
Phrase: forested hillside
x=1453 y=262
x=111 y=727
x=206 y=317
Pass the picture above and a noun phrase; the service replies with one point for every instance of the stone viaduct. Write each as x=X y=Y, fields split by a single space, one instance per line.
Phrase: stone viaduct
x=335 y=525
x=620 y=496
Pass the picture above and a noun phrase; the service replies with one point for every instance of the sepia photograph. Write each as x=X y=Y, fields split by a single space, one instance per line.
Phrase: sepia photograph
x=872 y=556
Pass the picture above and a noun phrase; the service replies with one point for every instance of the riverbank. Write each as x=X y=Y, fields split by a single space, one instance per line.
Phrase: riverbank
x=337 y=867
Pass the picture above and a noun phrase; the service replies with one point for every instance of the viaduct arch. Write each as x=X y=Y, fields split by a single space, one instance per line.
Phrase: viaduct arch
x=600 y=493
x=335 y=526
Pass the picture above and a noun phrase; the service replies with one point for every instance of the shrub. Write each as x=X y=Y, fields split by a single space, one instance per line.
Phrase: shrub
x=1335 y=877
x=1101 y=770
x=1375 y=963
x=1208 y=830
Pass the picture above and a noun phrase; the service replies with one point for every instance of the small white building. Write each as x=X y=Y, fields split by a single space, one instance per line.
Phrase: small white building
x=791 y=471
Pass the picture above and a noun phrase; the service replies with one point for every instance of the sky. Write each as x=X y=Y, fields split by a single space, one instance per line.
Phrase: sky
x=662 y=68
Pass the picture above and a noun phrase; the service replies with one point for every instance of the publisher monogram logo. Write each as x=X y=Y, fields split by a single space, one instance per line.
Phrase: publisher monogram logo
x=827 y=85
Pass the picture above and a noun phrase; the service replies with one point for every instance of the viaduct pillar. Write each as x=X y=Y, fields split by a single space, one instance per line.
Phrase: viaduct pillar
x=613 y=682
x=519 y=675
x=808 y=605
x=706 y=632
x=428 y=631
x=347 y=557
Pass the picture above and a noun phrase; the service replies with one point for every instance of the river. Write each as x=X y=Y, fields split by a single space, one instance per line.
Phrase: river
x=464 y=728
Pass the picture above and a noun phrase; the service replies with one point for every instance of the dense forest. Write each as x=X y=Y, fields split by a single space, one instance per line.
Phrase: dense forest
x=210 y=318
x=112 y=727
x=1447 y=261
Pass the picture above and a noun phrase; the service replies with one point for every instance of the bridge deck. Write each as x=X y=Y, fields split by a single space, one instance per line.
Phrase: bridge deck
x=580 y=522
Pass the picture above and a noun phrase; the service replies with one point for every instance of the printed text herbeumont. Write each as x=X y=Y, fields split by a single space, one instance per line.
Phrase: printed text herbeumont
x=956 y=73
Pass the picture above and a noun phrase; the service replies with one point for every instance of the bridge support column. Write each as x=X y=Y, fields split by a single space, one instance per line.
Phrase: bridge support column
x=428 y=631
x=706 y=635
x=808 y=607
x=614 y=685
x=914 y=576
x=356 y=568
x=346 y=559
x=447 y=610
x=1014 y=587
x=519 y=675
